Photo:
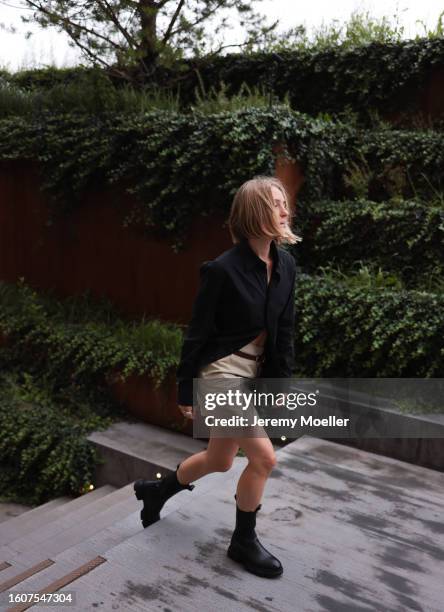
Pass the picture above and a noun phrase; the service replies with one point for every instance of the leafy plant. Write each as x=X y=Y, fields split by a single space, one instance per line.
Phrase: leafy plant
x=44 y=452
x=357 y=177
x=54 y=372
x=78 y=341
x=404 y=237
x=375 y=81
x=175 y=165
x=364 y=328
x=436 y=32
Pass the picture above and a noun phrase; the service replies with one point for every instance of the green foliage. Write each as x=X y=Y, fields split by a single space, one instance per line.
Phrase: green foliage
x=365 y=276
x=380 y=164
x=94 y=92
x=403 y=236
x=14 y=100
x=75 y=340
x=364 y=328
x=131 y=38
x=56 y=358
x=378 y=76
x=360 y=29
x=43 y=448
x=217 y=99
x=178 y=166
x=437 y=31
x=91 y=92
x=46 y=78
x=358 y=177
x=383 y=76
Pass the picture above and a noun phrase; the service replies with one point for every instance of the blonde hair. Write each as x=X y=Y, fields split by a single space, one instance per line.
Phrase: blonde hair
x=252 y=212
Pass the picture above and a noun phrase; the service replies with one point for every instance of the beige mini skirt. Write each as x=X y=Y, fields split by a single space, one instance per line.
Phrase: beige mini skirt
x=234 y=365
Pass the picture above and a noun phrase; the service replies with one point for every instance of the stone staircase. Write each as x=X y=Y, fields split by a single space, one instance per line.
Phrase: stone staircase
x=355 y=532
x=131 y=449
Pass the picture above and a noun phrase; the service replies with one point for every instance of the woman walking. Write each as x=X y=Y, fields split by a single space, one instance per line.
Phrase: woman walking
x=242 y=326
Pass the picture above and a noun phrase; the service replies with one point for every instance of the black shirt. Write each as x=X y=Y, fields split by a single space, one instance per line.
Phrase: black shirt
x=233 y=305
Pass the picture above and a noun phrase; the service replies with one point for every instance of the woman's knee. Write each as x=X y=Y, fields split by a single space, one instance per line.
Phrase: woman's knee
x=221 y=464
x=260 y=452
x=264 y=462
x=221 y=453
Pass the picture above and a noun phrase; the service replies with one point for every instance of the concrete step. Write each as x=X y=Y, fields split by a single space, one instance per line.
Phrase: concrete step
x=20 y=526
x=9 y=510
x=38 y=542
x=98 y=542
x=131 y=449
x=34 y=511
x=419 y=481
x=66 y=533
x=347 y=541
x=52 y=590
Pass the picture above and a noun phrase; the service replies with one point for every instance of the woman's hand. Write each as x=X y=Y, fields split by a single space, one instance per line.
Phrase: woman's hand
x=187 y=411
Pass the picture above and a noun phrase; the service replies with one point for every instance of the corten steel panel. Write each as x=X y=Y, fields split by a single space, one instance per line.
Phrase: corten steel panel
x=24 y=245
x=427 y=104
x=89 y=249
x=290 y=173
x=433 y=97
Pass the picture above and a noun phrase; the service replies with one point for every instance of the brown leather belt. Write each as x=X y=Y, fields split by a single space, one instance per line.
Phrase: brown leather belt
x=258 y=358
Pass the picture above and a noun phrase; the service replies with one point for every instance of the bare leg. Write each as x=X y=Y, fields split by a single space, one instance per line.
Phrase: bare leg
x=261 y=461
x=217 y=457
x=245 y=547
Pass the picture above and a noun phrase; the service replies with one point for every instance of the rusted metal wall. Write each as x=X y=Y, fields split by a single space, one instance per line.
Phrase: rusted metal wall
x=89 y=249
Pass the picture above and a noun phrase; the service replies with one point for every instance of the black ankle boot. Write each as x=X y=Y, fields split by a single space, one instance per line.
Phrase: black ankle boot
x=154 y=493
x=245 y=547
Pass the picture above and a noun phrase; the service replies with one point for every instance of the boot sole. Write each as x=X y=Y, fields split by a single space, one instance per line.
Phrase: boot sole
x=146 y=517
x=263 y=573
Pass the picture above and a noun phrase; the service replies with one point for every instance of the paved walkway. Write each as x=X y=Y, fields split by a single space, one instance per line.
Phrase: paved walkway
x=9 y=510
x=355 y=532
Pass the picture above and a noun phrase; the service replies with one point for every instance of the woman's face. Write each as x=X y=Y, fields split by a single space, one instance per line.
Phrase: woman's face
x=280 y=210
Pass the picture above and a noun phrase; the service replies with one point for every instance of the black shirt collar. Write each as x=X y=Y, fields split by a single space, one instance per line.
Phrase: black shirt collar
x=254 y=261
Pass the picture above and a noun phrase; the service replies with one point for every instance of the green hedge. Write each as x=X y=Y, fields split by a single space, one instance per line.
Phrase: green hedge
x=55 y=360
x=381 y=76
x=402 y=236
x=58 y=354
x=78 y=339
x=182 y=165
x=44 y=452
x=178 y=166
x=46 y=78
x=347 y=163
x=357 y=327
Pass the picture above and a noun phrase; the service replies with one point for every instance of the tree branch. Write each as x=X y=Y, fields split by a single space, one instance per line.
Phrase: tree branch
x=203 y=17
x=95 y=58
x=77 y=26
x=247 y=42
x=109 y=11
x=85 y=49
x=20 y=8
x=173 y=20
